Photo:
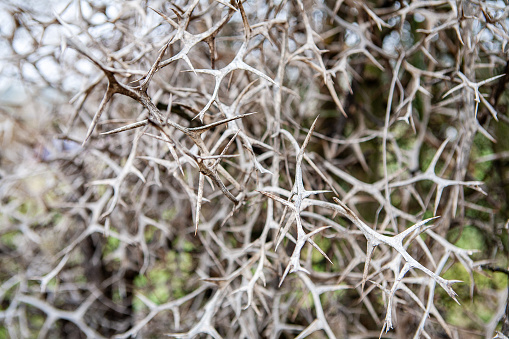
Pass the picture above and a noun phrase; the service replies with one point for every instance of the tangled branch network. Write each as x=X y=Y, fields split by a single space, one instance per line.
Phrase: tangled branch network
x=249 y=169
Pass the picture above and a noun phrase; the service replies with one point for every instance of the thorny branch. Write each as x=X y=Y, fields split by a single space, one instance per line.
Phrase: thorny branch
x=123 y=215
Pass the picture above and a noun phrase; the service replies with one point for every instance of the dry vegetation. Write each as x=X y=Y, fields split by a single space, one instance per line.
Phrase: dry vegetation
x=253 y=169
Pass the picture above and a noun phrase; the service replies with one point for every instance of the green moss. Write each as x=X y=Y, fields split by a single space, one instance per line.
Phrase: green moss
x=457 y=314
x=159 y=276
x=186 y=262
x=458 y=272
x=427 y=154
x=169 y=214
x=332 y=297
x=52 y=284
x=470 y=238
x=36 y=320
x=188 y=246
x=30 y=208
x=171 y=260
x=4 y=334
x=392 y=161
x=140 y=281
x=81 y=279
x=101 y=189
x=427 y=215
x=404 y=134
x=319 y=262
x=169 y=280
x=484 y=312
x=395 y=200
x=232 y=241
x=138 y=305
x=116 y=297
x=112 y=244
x=495 y=281
x=482 y=147
x=160 y=294
x=149 y=233
x=9 y=239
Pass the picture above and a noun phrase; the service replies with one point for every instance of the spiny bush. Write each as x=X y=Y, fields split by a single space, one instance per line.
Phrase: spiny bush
x=256 y=169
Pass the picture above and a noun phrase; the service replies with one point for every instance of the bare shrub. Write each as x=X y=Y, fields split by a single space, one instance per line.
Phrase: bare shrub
x=253 y=169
